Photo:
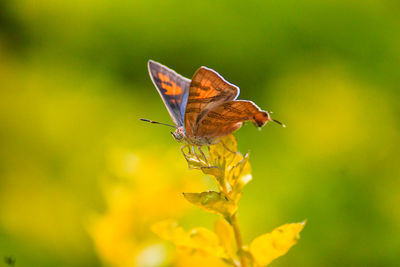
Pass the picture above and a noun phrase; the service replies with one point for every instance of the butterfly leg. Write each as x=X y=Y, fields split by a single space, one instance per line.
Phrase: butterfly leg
x=227 y=148
x=204 y=156
x=195 y=154
x=188 y=156
x=183 y=152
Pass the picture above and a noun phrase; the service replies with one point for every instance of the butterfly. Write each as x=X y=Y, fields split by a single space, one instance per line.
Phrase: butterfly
x=205 y=108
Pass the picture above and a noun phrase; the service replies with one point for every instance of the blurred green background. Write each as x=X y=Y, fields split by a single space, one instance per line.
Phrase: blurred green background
x=74 y=81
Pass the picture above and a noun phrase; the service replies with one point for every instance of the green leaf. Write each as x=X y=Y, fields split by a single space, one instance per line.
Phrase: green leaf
x=211 y=201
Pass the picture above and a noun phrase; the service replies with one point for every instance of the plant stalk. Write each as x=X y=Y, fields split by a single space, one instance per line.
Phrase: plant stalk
x=238 y=238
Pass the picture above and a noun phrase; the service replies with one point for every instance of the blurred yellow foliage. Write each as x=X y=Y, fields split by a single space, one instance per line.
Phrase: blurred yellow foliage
x=139 y=194
x=225 y=235
x=199 y=239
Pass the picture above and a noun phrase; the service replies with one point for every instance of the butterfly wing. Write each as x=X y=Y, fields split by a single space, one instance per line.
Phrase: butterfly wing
x=207 y=89
x=173 y=89
x=227 y=117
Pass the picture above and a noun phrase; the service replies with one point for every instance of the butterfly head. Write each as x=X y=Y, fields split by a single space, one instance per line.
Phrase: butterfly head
x=261 y=118
x=179 y=134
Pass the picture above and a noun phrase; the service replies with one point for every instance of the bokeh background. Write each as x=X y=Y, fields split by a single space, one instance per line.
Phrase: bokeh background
x=82 y=179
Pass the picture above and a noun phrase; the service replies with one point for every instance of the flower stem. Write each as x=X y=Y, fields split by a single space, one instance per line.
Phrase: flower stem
x=238 y=238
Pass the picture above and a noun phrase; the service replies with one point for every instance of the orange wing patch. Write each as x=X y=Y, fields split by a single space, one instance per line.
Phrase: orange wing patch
x=170 y=87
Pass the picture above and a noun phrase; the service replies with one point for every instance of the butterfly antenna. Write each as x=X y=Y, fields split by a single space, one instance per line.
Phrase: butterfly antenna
x=156 y=122
x=278 y=122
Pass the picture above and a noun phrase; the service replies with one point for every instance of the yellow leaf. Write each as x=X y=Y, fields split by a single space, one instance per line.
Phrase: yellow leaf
x=212 y=201
x=213 y=170
x=230 y=168
x=238 y=175
x=223 y=152
x=268 y=247
x=225 y=234
x=229 y=142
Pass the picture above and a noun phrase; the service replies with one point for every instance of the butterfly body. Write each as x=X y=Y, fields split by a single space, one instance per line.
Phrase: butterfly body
x=181 y=136
x=205 y=108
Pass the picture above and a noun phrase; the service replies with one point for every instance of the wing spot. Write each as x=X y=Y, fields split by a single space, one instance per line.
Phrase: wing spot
x=170 y=86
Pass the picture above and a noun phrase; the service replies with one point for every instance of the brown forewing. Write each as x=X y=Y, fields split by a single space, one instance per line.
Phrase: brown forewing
x=207 y=90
